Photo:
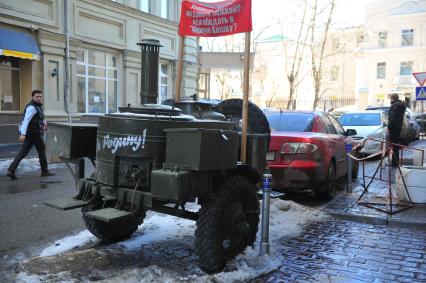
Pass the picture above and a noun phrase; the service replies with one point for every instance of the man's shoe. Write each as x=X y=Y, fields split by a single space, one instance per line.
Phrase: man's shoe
x=47 y=173
x=12 y=175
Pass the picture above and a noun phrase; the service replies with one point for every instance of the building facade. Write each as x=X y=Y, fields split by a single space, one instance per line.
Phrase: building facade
x=103 y=54
x=394 y=48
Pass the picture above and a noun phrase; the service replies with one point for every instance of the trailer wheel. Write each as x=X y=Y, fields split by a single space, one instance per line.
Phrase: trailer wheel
x=257 y=122
x=227 y=223
x=110 y=231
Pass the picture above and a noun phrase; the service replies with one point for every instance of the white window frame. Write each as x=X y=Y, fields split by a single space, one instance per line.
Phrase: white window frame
x=167 y=12
x=140 y=5
x=408 y=64
x=334 y=73
x=20 y=87
x=168 y=76
x=383 y=39
x=382 y=66
x=407 y=33
x=106 y=79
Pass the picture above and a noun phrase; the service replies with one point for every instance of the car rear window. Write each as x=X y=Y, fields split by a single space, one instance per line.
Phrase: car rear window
x=360 y=119
x=290 y=122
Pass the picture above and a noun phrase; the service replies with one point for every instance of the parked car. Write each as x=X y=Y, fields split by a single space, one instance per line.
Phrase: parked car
x=411 y=126
x=368 y=124
x=307 y=151
x=337 y=112
x=421 y=120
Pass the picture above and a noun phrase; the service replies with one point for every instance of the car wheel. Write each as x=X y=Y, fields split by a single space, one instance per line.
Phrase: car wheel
x=328 y=189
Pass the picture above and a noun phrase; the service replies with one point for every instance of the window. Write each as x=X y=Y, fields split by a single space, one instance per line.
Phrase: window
x=360 y=39
x=328 y=125
x=334 y=73
x=383 y=38
x=406 y=68
x=407 y=37
x=204 y=85
x=144 y=6
x=164 y=9
x=290 y=121
x=96 y=82
x=9 y=84
x=381 y=70
x=360 y=119
x=337 y=126
x=335 y=44
x=164 y=82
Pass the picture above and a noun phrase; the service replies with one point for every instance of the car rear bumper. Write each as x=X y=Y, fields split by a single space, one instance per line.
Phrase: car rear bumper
x=371 y=147
x=297 y=177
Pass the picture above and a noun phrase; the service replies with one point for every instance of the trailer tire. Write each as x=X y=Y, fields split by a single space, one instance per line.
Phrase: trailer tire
x=257 y=122
x=227 y=224
x=109 y=231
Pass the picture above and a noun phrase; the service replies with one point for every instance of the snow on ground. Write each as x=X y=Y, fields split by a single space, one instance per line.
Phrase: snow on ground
x=287 y=220
x=26 y=165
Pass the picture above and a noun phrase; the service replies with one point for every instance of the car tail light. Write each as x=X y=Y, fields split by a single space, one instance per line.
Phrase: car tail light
x=289 y=148
x=305 y=147
x=296 y=147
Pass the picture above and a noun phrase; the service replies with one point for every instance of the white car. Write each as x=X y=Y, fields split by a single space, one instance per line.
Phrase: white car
x=368 y=124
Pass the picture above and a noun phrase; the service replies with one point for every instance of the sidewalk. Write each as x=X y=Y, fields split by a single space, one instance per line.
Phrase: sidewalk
x=345 y=206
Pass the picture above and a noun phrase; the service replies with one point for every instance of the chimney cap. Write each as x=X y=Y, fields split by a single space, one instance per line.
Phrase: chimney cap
x=152 y=42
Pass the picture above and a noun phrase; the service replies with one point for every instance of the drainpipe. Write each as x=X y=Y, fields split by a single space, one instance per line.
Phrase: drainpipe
x=67 y=61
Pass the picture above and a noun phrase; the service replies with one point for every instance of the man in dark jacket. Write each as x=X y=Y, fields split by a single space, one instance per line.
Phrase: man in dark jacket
x=395 y=122
x=31 y=130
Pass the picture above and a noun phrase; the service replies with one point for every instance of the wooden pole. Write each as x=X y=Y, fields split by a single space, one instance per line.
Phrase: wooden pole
x=246 y=89
x=180 y=67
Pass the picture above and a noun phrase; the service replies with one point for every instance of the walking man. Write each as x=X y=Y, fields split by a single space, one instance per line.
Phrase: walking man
x=395 y=122
x=31 y=131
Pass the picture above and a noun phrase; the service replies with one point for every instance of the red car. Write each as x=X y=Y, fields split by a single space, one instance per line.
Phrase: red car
x=308 y=151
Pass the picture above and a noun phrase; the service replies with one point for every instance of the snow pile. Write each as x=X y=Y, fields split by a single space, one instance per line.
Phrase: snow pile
x=26 y=165
x=69 y=243
x=287 y=220
x=160 y=227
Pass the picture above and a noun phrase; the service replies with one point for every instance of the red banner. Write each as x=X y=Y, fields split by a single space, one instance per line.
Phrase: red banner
x=215 y=19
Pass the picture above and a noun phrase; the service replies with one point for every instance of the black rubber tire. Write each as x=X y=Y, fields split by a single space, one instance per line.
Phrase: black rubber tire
x=113 y=232
x=234 y=205
x=329 y=187
x=257 y=121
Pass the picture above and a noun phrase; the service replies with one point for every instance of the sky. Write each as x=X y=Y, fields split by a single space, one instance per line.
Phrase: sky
x=266 y=13
x=347 y=13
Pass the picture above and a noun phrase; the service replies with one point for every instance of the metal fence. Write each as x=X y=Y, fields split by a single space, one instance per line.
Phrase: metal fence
x=323 y=104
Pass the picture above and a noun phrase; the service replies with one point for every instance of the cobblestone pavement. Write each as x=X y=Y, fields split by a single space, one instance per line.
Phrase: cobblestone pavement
x=346 y=205
x=344 y=251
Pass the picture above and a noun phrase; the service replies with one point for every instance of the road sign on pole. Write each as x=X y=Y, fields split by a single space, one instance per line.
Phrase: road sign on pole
x=421 y=93
x=420 y=77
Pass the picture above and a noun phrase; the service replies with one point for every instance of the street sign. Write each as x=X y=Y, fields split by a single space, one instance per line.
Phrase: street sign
x=420 y=77
x=421 y=93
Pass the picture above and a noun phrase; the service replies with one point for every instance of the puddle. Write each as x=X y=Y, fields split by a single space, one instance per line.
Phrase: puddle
x=17 y=188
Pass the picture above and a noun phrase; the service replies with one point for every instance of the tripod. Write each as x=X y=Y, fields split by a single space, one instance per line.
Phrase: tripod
x=389 y=207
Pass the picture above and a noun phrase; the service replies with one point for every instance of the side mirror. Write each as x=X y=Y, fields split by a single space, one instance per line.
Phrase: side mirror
x=350 y=132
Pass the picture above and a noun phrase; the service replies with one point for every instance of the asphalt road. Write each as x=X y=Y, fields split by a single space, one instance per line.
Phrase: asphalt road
x=10 y=150
x=25 y=223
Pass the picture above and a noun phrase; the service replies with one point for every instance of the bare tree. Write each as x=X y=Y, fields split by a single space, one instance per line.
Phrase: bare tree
x=318 y=42
x=293 y=65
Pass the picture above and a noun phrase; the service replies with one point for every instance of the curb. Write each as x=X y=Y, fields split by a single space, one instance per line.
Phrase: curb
x=376 y=220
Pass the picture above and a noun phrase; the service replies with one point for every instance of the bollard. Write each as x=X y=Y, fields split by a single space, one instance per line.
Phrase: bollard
x=349 y=165
x=264 y=240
